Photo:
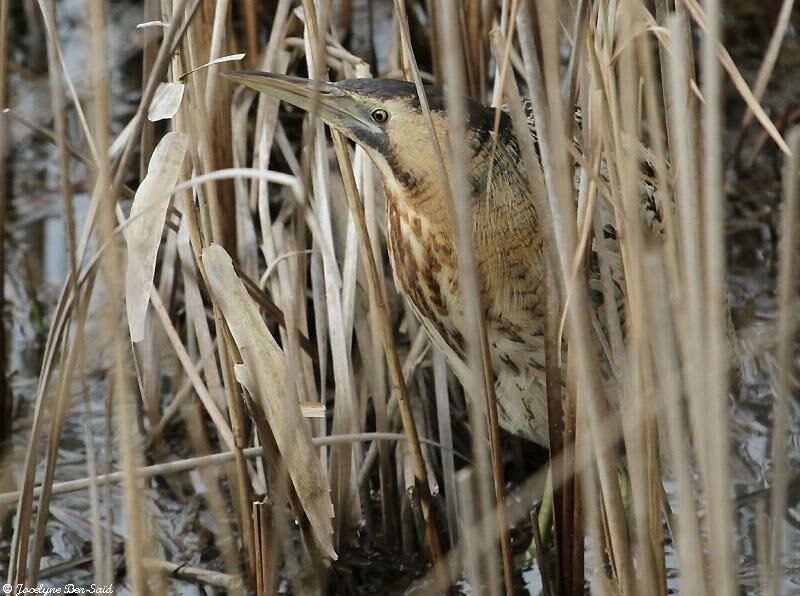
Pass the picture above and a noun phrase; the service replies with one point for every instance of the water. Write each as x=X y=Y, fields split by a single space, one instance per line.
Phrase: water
x=37 y=266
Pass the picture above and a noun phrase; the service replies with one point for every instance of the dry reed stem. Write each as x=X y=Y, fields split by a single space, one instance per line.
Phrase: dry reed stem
x=600 y=583
x=267 y=559
x=138 y=540
x=100 y=561
x=207 y=121
x=562 y=473
x=477 y=348
x=635 y=399
x=690 y=322
x=650 y=305
x=768 y=62
x=539 y=544
x=548 y=113
x=59 y=126
x=469 y=561
x=391 y=353
x=344 y=414
x=215 y=51
x=717 y=348
x=5 y=394
x=691 y=559
x=446 y=437
x=223 y=537
x=787 y=326
x=469 y=284
x=377 y=367
x=736 y=78
x=656 y=113
x=409 y=425
x=560 y=412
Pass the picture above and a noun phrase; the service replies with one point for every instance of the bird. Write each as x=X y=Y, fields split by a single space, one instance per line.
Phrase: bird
x=385 y=118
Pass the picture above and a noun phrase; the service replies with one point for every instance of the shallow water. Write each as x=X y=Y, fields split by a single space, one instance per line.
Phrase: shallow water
x=38 y=266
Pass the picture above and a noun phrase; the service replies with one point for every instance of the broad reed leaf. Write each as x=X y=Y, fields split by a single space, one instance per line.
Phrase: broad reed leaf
x=148 y=214
x=263 y=374
x=166 y=102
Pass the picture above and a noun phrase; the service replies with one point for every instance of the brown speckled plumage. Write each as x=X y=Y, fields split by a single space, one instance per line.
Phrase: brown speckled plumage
x=385 y=118
x=508 y=247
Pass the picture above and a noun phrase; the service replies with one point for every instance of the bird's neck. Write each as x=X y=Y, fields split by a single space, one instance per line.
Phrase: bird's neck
x=419 y=183
x=414 y=184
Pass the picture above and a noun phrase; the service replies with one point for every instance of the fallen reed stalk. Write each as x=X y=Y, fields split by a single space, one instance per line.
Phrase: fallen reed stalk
x=191 y=463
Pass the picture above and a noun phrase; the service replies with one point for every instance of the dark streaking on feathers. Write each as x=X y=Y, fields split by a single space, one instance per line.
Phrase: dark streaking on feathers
x=421 y=242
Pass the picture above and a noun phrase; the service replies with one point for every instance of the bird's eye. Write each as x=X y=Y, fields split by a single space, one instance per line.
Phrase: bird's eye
x=380 y=116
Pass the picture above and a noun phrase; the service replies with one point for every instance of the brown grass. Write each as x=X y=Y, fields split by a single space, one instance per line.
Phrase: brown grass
x=307 y=319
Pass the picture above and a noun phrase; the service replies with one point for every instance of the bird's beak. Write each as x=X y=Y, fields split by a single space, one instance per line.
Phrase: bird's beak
x=330 y=103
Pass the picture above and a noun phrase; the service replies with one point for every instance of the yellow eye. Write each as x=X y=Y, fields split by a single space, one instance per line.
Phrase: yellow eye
x=380 y=116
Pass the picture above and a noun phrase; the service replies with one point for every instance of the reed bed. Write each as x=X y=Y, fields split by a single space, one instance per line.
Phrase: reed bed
x=230 y=343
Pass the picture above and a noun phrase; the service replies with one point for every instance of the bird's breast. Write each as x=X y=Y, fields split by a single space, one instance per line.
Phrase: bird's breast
x=426 y=271
x=425 y=267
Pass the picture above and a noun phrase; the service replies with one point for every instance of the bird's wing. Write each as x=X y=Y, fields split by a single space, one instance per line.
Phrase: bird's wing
x=651 y=200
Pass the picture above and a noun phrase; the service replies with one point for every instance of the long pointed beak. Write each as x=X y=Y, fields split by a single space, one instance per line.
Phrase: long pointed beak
x=330 y=103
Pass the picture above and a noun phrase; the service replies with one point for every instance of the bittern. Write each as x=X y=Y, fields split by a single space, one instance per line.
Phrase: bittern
x=385 y=118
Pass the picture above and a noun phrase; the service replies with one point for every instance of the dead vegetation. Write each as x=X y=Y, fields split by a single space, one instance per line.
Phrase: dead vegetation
x=232 y=345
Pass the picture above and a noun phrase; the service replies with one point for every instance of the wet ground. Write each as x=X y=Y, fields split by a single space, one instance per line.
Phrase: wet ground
x=753 y=190
x=37 y=265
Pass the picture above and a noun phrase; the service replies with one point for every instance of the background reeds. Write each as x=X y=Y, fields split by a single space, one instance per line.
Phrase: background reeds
x=229 y=393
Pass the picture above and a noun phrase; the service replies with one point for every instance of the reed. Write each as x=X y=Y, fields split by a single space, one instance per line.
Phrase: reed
x=257 y=359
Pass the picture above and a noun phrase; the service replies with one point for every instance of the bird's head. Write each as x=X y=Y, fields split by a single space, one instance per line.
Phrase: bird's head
x=383 y=116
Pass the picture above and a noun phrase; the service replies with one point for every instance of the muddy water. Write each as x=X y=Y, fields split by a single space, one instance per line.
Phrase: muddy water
x=753 y=188
x=38 y=265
